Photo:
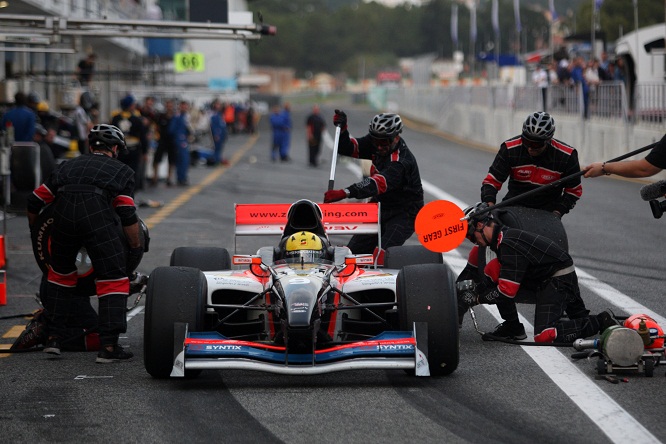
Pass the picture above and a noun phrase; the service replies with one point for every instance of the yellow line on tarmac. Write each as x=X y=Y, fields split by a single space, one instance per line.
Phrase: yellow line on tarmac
x=186 y=195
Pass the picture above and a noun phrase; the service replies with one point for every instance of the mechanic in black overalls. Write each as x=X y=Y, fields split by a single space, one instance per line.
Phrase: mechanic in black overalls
x=394 y=182
x=528 y=259
x=529 y=161
x=92 y=196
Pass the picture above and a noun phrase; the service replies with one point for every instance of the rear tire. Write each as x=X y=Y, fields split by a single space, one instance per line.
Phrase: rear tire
x=203 y=258
x=426 y=293
x=398 y=257
x=174 y=294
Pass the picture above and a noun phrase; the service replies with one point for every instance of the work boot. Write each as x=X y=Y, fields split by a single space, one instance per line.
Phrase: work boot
x=116 y=354
x=33 y=335
x=606 y=319
x=506 y=330
x=53 y=346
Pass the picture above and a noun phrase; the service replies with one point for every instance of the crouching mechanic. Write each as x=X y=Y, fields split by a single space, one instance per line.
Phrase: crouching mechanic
x=89 y=194
x=536 y=262
x=394 y=182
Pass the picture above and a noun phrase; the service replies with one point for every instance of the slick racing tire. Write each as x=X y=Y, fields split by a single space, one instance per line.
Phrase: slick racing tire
x=426 y=293
x=174 y=294
x=398 y=257
x=203 y=258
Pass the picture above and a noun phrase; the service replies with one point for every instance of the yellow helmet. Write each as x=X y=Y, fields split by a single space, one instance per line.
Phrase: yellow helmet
x=304 y=245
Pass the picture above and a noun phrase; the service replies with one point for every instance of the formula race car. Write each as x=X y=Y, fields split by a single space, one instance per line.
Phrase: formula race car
x=304 y=307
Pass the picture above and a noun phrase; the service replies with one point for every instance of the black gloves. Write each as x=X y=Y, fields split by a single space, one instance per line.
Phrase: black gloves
x=134 y=256
x=340 y=119
x=467 y=296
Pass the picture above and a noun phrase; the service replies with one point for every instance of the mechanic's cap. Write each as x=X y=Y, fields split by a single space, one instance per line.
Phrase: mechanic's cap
x=43 y=106
x=127 y=101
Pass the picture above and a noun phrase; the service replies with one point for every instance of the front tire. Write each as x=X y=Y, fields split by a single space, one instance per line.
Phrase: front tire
x=401 y=256
x=426 y=293
x=174 y=294
x=203 y=258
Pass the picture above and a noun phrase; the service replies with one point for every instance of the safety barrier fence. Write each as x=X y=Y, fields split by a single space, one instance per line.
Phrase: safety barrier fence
x=608 y=101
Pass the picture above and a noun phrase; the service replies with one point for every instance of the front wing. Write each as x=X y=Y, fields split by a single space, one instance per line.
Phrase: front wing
x=405 y=350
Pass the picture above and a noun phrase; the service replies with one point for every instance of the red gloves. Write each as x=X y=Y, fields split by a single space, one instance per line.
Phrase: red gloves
x=340 y=119
x=334 y=196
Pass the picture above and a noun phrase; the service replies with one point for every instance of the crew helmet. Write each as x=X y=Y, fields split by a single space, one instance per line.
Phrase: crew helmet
x=472 y=219
x=305 y=246
x=385 y=126
x=105 y=136
x=539 y=126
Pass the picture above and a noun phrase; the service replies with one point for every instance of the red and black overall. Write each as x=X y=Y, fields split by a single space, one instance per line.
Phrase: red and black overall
x=91 y=197
x=394 y=182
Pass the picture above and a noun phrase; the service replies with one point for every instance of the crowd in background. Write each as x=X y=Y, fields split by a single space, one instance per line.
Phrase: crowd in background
x=172 y=131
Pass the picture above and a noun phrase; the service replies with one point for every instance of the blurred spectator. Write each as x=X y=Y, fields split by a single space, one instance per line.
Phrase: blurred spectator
x=165 y=145
x=540 y=80
x=180 y=130
x=130 y=123
x=218 y=128
x=563 y=73
x=21 y=118
x=230 y=117
x=82 y=123
x=284 y=149
x=278 y=127
x=46 y=156
x=314 y=127
x=578 y=78
x=85 y=69
x=603 y=67
x=249 y=119
x=552 y=73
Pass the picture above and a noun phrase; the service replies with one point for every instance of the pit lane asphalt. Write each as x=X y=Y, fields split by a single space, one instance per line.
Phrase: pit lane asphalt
x=498 y=394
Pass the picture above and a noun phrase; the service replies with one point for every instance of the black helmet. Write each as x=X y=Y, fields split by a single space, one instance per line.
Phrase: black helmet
x=385 y=126
x=105 y=136
x=472 y=218
x=539 y=126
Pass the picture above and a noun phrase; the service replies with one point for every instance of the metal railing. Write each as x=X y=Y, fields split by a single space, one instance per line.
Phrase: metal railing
x=607 y=101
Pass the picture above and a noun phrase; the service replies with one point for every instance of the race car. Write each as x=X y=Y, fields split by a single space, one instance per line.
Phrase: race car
x=304 y=307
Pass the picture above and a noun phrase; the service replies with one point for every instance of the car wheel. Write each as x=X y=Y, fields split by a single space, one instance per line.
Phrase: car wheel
x=426 y=293
x=174 y=294
x=398 y=257
x=203 y=258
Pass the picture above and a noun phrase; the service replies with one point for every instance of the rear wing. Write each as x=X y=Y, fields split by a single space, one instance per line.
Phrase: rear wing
x=338 y=218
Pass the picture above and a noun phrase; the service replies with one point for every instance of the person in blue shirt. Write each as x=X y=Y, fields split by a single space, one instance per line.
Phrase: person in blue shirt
x=280 y=134
x=21 y=118
x=179 y=130
x=219 y=130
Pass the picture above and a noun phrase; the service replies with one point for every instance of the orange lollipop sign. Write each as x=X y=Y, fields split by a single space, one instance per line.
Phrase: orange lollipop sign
x=439 y=226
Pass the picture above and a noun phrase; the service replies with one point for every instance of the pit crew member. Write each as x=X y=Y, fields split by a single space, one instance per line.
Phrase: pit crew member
x=92 y=195
x=394 y=181
x=536 y=262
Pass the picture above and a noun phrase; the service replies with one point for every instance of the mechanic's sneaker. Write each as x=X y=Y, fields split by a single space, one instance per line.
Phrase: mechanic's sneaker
x=606 y=319
x=33 y=335
x=53 y=346
x=117 y=354
x=506 y=330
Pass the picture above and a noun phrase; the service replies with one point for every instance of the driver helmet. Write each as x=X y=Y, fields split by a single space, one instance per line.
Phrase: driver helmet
x=383 y=130
x=105 y=136
x=306 y=246
x=539 y=127
x=472 y=220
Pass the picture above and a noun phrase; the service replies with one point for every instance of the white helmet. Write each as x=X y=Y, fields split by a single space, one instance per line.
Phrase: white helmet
x=539 y=126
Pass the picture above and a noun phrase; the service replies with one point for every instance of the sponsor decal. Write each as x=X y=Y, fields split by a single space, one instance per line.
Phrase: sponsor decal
x=299 y=307
x=395 y=347
x=223 y=347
